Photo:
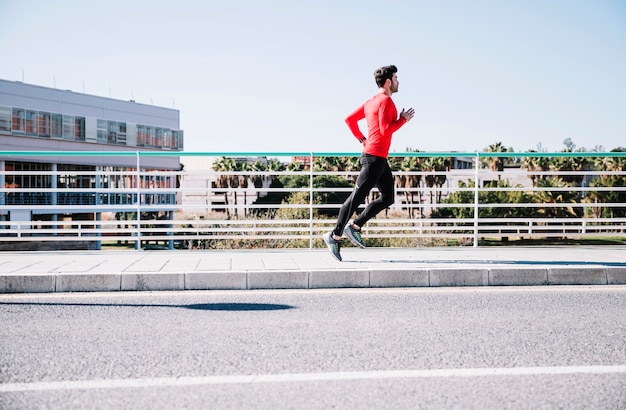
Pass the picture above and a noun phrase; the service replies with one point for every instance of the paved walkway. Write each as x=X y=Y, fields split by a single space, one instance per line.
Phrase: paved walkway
x=80 y=271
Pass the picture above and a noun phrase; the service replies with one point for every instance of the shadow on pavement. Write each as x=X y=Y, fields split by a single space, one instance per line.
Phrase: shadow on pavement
x=233 y=307
x=505 y=262
x=238 y=306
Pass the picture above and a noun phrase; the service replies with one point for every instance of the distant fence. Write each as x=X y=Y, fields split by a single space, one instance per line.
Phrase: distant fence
x=442 y=198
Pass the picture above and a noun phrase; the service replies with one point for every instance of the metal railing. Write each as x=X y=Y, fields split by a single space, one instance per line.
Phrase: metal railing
x=207 y=208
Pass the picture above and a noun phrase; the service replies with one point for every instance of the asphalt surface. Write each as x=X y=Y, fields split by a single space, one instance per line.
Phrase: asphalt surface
x=466 y=347
x=31 y=272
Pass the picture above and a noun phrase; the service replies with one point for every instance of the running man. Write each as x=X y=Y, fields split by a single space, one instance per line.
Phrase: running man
x=382 y=121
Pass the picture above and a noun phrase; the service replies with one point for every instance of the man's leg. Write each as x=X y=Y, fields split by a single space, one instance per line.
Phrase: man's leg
x=387 y=188
x=371 y=168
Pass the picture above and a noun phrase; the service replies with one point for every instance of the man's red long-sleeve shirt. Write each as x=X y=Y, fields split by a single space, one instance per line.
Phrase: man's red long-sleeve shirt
x=382 y=121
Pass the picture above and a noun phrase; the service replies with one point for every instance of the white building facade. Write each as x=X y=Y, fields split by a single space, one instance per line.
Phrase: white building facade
x=38 y=119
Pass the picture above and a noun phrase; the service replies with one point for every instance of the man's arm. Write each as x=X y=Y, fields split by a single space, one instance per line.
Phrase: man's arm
x=388 y=124
x=352 y=121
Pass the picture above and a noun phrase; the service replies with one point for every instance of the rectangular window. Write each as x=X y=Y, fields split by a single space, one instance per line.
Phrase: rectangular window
x=18 y=120
x=158 y=134
x=111 y=132
x=102 y=131
x=167 y=138
x=68 y=127
x=56 y=125
x=175 y=139
x=79 y=128
x=77 y=177
x=149 y=137
x=30 y=122
x=33 y=181
x=43 y=124
x=141 y=135
x=5 y=119
x=121 y=133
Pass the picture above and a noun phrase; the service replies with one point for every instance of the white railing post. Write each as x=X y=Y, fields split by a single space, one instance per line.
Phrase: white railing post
x=476 y=184
x=54 y=198
x=138 y=210
x=311 y=201
x=3 y=195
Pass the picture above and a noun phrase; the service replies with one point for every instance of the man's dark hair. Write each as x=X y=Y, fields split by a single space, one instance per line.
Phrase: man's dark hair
x=383 y=74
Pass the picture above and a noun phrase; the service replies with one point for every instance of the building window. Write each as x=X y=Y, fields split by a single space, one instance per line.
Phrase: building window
x=18 y=120
x=111 y=132
x=43 y=124
x=149 y=141
x=5 y=119
x=77 y=177
x=158 y=134
x=178 y=139
x=102 y=131
x=79 y=128
x=30 y=122
x=141 y=135
x=56 y=125
x=167 y=138
x=74 y=128
x=23 y=179
x=121 y=133
x=68 y=127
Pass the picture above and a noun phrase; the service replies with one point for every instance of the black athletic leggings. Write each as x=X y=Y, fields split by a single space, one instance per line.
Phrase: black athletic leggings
x=375 y=172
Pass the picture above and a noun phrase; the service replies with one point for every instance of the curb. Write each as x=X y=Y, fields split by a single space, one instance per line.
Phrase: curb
x=311 y=279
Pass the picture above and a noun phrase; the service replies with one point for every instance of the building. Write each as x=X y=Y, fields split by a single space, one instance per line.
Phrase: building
x=37 y=119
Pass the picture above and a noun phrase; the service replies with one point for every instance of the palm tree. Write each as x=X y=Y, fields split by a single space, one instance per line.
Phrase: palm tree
x=555 y=197
x=437 y=165
x=240 y=181
x=567 y=164
x=257 y=179
x=609 y=164
x=295 y=166
x=496 y=164
x=536 y=164
x=222 y=181
x=408 y=183
x=352 y=164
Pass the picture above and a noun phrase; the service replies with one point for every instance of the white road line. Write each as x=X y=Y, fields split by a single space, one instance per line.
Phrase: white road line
x=194 y=293
x=307 y=377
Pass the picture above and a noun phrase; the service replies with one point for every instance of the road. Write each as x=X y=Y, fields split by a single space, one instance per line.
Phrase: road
x=470 y=348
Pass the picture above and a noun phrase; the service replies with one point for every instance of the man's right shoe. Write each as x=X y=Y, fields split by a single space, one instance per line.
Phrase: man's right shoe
x=354 y=236
x=333 y=245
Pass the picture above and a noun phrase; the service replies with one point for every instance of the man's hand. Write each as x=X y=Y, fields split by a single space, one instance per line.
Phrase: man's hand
x=408 y=114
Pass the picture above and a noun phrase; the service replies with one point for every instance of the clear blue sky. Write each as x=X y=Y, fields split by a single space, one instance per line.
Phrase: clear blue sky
x=282 y=75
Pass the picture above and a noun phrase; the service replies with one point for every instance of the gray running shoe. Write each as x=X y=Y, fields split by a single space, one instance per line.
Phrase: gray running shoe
x=333 y=245
x=354 y=236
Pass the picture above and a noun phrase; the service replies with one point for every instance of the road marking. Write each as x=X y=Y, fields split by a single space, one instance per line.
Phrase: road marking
x=307 y=377
x=272 y=292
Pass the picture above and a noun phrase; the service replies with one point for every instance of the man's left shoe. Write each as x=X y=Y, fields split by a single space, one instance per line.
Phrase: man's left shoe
x=333 y=245
x=354 y=236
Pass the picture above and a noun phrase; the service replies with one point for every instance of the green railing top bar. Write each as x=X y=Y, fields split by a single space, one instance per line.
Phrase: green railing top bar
x=307 y=154
x=550 y=154
x=69 y=153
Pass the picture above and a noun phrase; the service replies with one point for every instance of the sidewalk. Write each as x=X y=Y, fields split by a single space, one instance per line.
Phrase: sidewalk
x=84 y=271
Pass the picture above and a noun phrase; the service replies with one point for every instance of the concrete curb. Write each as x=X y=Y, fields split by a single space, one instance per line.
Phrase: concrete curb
x=312 y=279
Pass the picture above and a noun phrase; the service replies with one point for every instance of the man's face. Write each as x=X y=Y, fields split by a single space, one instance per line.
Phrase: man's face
x=394 y=83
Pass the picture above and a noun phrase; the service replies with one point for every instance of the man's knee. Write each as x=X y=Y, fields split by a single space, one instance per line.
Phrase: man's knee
x=387 y=200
